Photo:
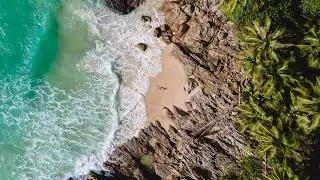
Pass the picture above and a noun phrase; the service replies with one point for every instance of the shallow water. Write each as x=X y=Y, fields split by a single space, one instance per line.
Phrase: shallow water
x=60 y=99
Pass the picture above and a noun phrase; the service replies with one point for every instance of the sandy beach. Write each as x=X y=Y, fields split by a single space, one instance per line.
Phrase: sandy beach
x=166 y=89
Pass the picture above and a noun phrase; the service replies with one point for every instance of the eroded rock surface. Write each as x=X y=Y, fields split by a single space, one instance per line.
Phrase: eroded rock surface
x=205 y=142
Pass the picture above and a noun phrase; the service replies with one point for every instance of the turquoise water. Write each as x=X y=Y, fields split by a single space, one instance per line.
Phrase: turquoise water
x=54 y=114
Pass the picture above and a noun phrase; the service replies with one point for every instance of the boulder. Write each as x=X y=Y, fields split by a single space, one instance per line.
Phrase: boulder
x=157 y=32
x=146 y=19
x=190 y=85
x=163 y=32
x=123 y=6
x=166 y=39
x=182 y=30
x=142 y=46
x=164 y=28
x=207 y=91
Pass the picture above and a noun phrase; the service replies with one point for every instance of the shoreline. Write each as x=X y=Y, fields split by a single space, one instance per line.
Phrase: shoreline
x=166 y=90
x=200 y=77
x=132 y=67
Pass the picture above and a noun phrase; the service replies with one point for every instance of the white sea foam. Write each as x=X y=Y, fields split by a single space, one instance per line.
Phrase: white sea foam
x=53 y=130
x=118 y=35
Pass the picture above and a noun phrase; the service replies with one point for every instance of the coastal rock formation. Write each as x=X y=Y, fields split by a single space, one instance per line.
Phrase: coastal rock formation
x=142 y=46
x=123 y=6
x=164 y=33
x=146 y=19
x=204 y=142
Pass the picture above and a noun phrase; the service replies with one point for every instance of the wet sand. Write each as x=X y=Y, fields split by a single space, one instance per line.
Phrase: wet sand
x=166 y=89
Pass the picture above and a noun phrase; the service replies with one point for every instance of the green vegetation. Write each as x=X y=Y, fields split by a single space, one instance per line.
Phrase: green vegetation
x=251 y=169
x=310 y=8
x=147 y=162
x=280 y=11
x=207 y=90
x=280 y=107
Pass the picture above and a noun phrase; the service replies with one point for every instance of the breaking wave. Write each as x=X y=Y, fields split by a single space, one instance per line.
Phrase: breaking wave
x=64 y=120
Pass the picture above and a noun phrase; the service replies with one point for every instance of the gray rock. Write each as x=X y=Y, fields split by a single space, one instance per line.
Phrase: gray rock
x=166 y=39
x=146 y=19
x=190 y=85
x=188 y=9
x=123 y=6
x=142 y=46
x=157 y=32
x=182 y=30
x=164 y=28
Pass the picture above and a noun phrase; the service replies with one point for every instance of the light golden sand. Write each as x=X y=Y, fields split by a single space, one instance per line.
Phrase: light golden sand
x=166 y=89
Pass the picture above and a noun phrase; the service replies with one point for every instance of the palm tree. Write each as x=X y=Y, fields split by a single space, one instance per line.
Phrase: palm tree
x=261 y=49
x=261 y=44
x=272 y=141
x=310 y=46
x=231 y=5
x=280 y=172
x=253 y=113
x=306 y=106
x=279 y=77
x=276 y=122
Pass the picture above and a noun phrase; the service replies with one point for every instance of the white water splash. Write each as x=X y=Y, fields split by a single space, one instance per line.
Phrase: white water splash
x=54 y=131
x=118 y=35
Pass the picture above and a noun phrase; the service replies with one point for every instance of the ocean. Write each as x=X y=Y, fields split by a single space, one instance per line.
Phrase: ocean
x=72 y=84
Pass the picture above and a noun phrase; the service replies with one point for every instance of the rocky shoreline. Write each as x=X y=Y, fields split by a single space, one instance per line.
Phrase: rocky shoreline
x=204 y=142
x=123 y=6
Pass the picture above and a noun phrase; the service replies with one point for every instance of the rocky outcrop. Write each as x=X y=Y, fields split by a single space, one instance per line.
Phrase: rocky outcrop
x=123 y=6
x=203 y=145
x=164 y=33
x=142 y=46
x=146 y=19
x=204 y=142
x=202 y=31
